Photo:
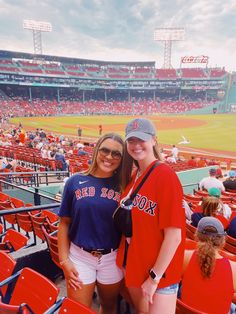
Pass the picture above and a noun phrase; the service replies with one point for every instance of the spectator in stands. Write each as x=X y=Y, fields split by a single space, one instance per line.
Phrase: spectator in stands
x=209 y=281
x=155 y=251
x=211 y=181
x=230 y=182
x=42 y=134
x=5 y=164
x=201 y=162
x=210 y=207
x=60 y=156
x=81 y=151
x=224 y=209
x=188 y=211
x=192 y=162
x=40 y=144
x=231 y=230
x=87 y=238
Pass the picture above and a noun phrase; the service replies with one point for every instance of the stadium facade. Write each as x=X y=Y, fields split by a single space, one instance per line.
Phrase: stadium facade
x=59 y=79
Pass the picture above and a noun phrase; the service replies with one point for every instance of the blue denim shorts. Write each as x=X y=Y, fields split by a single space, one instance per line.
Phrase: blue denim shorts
x=172 y=289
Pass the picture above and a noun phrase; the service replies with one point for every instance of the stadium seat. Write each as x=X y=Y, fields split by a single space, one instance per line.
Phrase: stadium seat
x=38 y=222
x=230 y=244
x=53 y=218
x=66 y=305
x=228 y=255
x=192 y=198
x=190 y=231
x=13 y=240
x=6 y=270
x=52 y=245
x=24 y=222
x=32 y=289
x=182 y=308
x=201 y=193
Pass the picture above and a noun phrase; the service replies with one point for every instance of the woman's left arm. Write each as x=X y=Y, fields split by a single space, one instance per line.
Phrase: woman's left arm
x=172 y=239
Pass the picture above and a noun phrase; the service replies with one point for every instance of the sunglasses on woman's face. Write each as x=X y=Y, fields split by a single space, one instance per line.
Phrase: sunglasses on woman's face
x=115 y=154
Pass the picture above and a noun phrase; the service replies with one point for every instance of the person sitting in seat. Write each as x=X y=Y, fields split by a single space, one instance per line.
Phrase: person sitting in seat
x=209 y=280
x=211 y=181
x=5 y=164
x=210 y=207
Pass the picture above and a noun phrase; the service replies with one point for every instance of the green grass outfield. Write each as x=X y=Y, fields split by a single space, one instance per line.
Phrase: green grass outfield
x=217 y=132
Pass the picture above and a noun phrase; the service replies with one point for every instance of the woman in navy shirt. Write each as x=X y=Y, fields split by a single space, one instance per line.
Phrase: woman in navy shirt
x=87 y=237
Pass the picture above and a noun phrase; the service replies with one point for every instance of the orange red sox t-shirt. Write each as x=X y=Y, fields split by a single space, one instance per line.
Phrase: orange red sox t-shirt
x=158 y=205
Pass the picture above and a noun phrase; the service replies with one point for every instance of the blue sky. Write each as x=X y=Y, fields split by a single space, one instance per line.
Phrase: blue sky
x=122 y=30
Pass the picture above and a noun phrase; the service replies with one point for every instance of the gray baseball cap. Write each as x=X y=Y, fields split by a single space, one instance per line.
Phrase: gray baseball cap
x=210 y=226
x=140 y=128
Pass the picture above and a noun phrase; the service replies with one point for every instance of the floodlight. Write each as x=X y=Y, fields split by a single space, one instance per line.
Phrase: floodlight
x=168 y=35
x=37 y=27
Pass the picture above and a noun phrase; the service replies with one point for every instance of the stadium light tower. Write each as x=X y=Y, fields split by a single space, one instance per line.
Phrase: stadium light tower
x=37 y=27
x=168 y=35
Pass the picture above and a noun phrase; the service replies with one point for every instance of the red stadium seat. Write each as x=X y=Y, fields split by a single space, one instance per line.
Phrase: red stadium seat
x=182 y=308
x=13 y=240
x=7 y=267
x=190 y=231
x=52 y=245
x=67 y=305
x=32 y=289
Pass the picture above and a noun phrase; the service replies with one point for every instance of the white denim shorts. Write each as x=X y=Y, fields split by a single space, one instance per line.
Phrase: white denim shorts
x=91 y=268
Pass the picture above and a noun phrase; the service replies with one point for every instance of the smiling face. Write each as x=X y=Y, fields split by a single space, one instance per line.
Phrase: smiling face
x=141 y=151
x=108 y=158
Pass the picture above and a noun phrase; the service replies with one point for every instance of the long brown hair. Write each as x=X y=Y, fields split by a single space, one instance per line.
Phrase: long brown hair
x=208 y=245
x=129 y=163
x=93 y=167
x=210 y=205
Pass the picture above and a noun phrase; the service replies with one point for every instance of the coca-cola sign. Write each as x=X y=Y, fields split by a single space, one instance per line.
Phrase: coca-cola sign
x=192 y=59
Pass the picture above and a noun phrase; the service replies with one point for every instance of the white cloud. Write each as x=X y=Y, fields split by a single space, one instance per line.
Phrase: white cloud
x=123 y=29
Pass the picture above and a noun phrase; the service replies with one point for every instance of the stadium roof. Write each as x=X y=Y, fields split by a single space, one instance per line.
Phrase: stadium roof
x=23 y=55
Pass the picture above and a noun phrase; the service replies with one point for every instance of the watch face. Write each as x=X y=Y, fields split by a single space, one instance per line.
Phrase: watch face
x=152 y=274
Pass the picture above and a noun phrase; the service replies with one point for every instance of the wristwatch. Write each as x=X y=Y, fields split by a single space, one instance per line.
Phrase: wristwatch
x=154 y=276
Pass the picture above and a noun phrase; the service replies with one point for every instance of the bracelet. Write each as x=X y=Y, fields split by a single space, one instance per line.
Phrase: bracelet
x=64 y=261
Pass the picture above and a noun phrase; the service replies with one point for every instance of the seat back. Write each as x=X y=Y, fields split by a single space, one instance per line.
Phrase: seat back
x=190 y=231
x=230 y=244
x=70 y=306
x=16 y=239
x=24 y=222
x=52 y=246
x=37 y=222
x=35 y=290
x=50 y=215
x=182 y=308
x=7 y=267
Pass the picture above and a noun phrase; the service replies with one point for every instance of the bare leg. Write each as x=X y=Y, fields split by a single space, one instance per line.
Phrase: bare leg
x=140 y=303
x=84 y=295
x=163 y=303
x=108 y=297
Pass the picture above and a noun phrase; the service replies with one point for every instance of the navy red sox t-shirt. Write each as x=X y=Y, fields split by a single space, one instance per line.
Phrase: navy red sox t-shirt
x=90 y=203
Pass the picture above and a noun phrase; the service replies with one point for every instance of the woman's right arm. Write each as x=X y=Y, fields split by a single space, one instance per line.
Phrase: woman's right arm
x=70 y=272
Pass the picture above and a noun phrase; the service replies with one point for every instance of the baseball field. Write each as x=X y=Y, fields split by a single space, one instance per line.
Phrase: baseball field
x=214 y=132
